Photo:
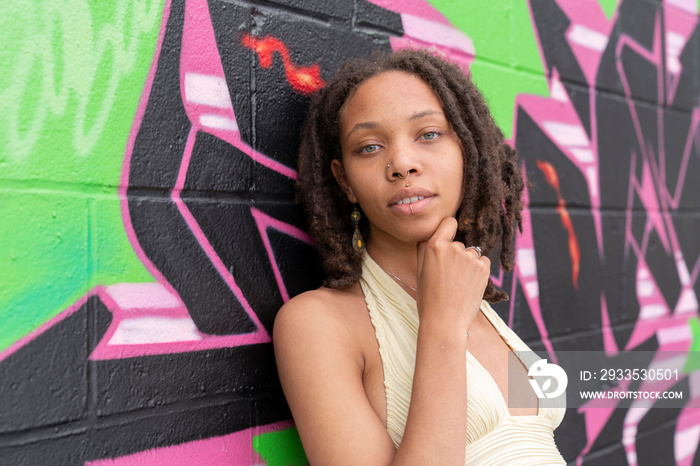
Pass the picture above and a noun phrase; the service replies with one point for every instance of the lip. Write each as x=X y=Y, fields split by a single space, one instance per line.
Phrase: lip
x=409 y=192
x=411 y=208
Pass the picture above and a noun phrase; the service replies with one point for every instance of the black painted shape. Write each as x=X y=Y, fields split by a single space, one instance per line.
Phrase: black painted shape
x=636 y=19
x=676 y=128
x=45 y=381
x=160 y=142
x=231 y=230
x=160 y=427
x=581 y=100
x=662 y=265
x=298 y=262
x=133 y=384
x=687 y=228
x=690 y=195
x=642 y=76
x=552 y=25
x=169 y=243
x=565 y=307
x=341 y=9
x=373 y=16
x=218 y=167
x=617 y=144
x=688 y=92
x=534 y=145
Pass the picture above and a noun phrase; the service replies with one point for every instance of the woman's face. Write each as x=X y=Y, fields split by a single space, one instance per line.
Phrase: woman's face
x=392 y=127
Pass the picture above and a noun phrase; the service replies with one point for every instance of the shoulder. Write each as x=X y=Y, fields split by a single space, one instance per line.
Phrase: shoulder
x=323 y=306
x=322 y=316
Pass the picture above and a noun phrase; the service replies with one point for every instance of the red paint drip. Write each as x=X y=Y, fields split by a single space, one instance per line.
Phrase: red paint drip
x=303 y=79
x=550 y=175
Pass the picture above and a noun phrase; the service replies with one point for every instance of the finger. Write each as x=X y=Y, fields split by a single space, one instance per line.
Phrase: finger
x=476 y=250
x=447 y=230
x=420 y=250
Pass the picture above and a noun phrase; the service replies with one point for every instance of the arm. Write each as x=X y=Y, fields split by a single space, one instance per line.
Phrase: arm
x=320 y=367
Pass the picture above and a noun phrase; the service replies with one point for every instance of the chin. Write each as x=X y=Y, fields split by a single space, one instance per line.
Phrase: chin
x=422 y=233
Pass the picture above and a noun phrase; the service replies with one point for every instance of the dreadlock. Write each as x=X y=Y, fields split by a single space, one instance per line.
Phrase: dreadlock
x=492 y=180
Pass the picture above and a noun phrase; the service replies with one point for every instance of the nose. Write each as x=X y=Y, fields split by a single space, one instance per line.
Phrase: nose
x=403 y=163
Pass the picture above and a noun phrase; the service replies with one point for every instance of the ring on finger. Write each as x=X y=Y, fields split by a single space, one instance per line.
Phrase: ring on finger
x=476 y=248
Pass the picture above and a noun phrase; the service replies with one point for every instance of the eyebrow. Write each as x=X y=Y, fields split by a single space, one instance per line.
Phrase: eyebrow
x=424 y=113
x=374 y=124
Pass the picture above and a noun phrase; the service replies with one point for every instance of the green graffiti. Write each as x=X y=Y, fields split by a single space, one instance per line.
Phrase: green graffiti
x=693 y=361
x=609 y=7
x=281 y=448
x=507 y=58
x=73 y=73
x=69 y=59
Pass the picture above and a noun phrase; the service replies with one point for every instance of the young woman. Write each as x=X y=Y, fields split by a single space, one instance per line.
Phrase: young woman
x=399 y=359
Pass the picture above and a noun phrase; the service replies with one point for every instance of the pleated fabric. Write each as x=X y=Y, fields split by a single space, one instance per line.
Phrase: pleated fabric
x=494 y=437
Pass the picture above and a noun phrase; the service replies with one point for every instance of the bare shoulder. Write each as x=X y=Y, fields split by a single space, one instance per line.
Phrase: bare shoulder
x=320 y=339
x=320 y=312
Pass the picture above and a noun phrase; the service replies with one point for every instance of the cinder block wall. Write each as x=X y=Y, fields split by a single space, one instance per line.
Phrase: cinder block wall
x=149 y=234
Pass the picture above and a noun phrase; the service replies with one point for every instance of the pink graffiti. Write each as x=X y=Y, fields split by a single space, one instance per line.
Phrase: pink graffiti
x=425 y=27
x=205 y=92
x=232 y=449
x=587 y=37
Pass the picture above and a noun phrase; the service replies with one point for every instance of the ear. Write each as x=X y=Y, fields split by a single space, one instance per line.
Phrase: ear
x=339 y=174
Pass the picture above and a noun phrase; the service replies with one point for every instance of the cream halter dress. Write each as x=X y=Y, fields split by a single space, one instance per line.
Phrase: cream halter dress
x=494 y=437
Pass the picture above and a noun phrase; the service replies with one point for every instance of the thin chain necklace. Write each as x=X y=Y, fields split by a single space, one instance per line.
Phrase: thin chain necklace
x=406 y=284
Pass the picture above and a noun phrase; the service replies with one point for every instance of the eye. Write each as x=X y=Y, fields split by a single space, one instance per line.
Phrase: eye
x=430 y=135
x=368 y=149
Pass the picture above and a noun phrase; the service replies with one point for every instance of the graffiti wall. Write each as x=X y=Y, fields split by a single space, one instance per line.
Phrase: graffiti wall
x=149 y=232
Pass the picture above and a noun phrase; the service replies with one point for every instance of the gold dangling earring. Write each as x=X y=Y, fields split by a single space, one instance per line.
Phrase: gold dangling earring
x=357 y=243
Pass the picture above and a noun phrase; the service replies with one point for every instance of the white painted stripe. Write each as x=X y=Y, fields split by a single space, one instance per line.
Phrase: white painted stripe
x=687 y=302
x=207 y=90
x=642 y=273
x=142 y=296
x=586 y=37
x=592 y=177
x=674 y=41
x=683 y=273
x=652 y=311
x=674 y=334
x=673 y=64
x=532 y=289
x=218 y=122
x=566 y=134
x=690 y=6
x=583 y=155
x=685 y=442
x=436 y=33
x=558 y=92
x=148 y=330
x=645 y=288
x=527 y=264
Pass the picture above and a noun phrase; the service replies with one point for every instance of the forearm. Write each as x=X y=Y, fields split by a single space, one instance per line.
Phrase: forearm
x=437 y=418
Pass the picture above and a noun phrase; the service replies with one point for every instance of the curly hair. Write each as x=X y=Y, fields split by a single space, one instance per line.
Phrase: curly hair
x=492 y=179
